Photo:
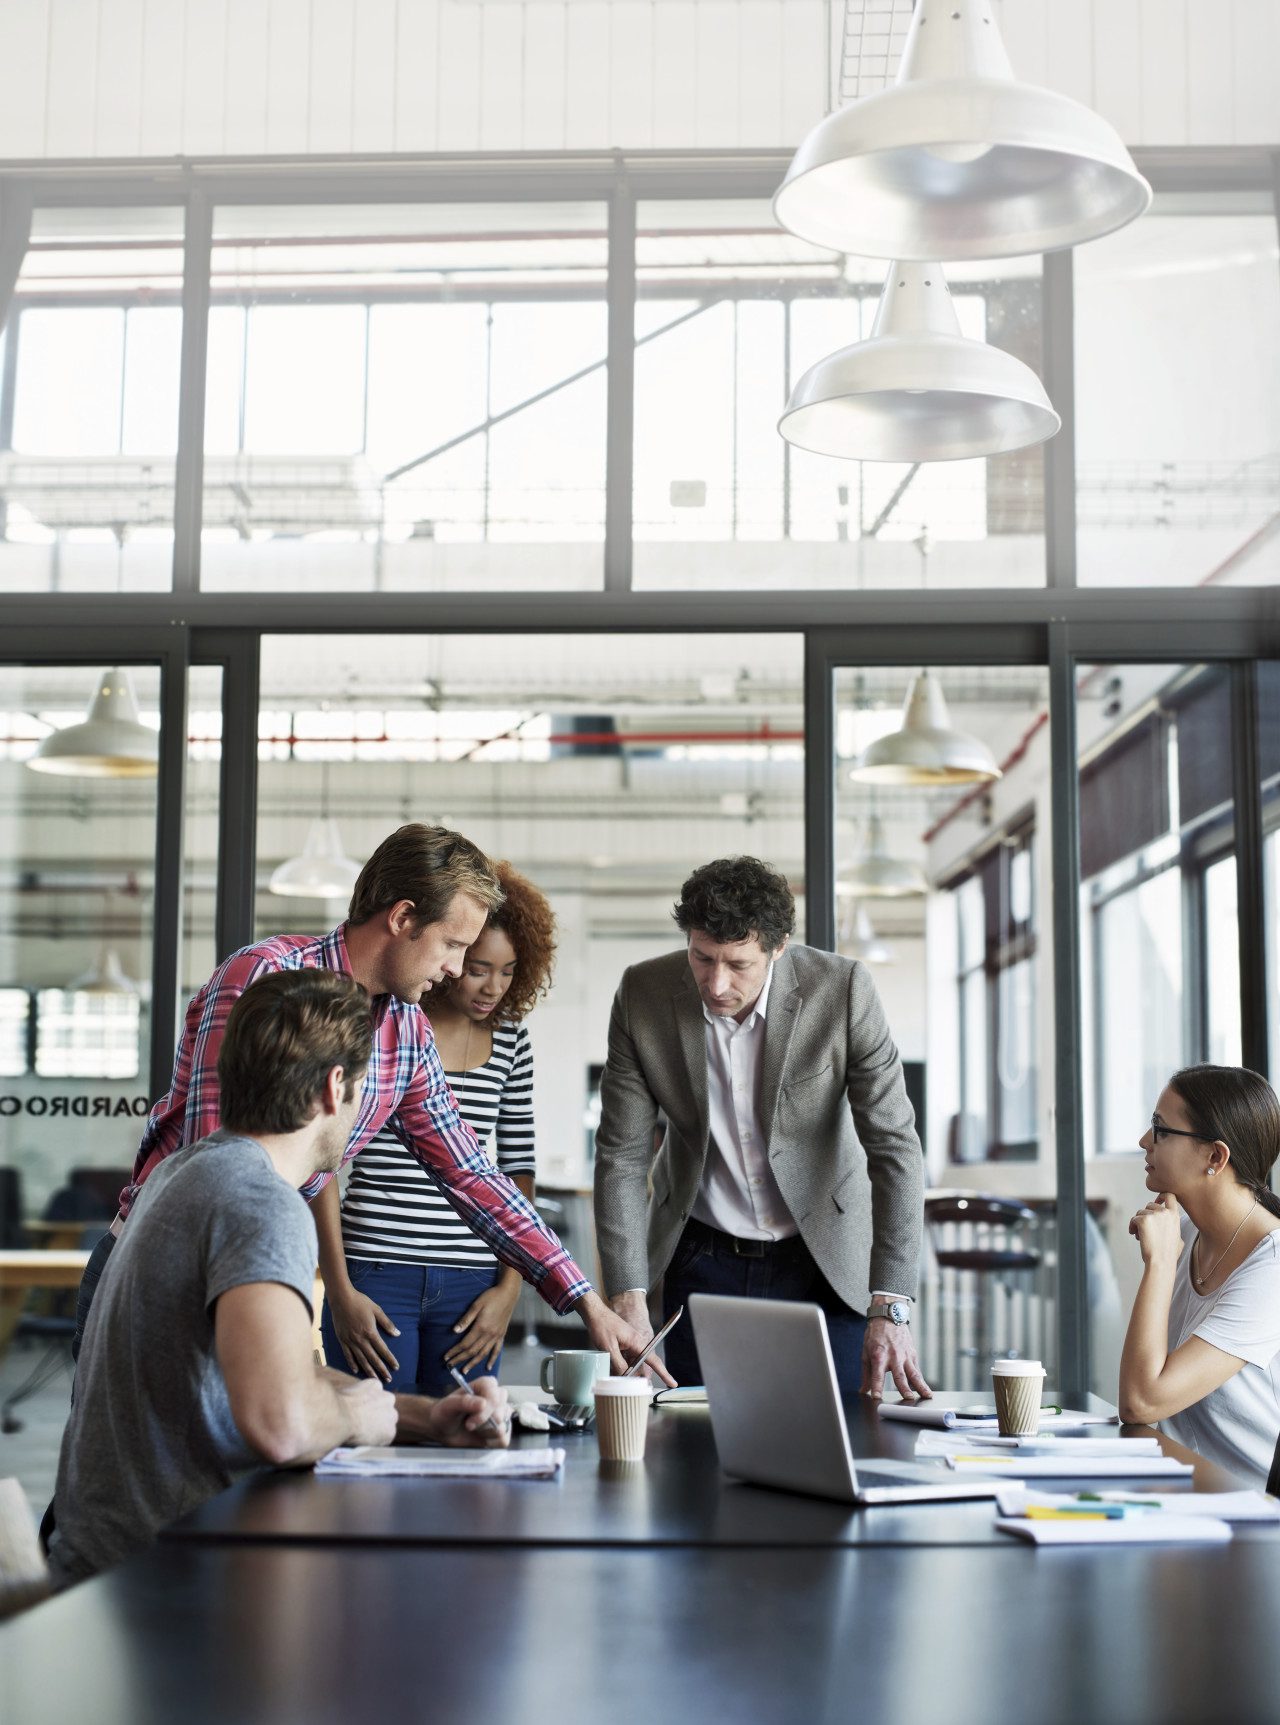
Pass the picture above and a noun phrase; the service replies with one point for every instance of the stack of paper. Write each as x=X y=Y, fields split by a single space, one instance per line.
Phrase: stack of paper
x=1017 y=1499
x=1060 y=1457
x=443 y=1463
x=1055 y=1518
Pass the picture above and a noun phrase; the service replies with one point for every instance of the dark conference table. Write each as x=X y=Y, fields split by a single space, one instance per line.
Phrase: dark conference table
x=677 y=1497
x=342 y=1635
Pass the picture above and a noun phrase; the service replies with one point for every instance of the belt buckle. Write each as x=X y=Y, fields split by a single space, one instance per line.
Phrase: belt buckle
x=749 y=1248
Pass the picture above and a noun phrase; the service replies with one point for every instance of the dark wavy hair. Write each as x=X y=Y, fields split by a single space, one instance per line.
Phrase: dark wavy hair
x=529 y=923
x=1239 y=1108
x=734 y=899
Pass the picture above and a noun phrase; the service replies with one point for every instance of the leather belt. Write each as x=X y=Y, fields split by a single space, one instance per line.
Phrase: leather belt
x=739 y=1247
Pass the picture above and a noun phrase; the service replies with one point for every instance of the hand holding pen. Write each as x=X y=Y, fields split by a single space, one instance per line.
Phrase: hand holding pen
x=469 y=1390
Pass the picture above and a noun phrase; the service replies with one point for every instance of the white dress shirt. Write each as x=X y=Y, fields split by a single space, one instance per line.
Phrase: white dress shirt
x=739 y=1194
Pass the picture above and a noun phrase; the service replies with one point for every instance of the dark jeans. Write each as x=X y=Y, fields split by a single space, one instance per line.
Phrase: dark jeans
x=424 y=1302
x=706 y=1263
x=89 y=1287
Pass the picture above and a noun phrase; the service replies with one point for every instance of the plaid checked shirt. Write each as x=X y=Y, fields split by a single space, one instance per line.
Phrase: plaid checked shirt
x=404 y=1089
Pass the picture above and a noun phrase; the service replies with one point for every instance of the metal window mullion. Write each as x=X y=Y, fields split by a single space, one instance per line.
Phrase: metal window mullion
x=1073 y=1305
x=620 y=412
x=188 y=478
x=1058 y=365
x=235 y=908
x=166 y=949
x=1250 y=887
x=819 y=794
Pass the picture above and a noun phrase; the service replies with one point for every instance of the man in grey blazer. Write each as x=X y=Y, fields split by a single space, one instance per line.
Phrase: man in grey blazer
x=789 y=1167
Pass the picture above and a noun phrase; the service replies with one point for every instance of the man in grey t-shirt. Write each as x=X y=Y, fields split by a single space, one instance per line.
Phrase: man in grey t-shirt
x=197 y=1361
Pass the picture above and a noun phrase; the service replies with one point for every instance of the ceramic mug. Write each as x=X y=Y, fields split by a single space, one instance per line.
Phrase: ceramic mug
x=568 y=1376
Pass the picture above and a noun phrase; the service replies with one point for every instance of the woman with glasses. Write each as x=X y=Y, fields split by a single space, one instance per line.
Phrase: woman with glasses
x=1202 y=1354
x=438 y=1296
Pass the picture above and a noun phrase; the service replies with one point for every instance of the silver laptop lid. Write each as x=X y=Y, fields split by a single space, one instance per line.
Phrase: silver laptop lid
x=771 y=1385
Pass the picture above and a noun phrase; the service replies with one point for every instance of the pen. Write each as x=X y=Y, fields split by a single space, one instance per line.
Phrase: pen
x=1037 y=1513
x=466 y=1389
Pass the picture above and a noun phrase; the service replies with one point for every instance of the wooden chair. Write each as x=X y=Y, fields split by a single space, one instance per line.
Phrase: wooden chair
x=24 y=1574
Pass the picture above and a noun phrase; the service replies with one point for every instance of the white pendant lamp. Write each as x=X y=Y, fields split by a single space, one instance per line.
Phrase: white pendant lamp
x=106 y=976
x=927 y=750
x=112 y=743
x=958 y=159
x=916 y=389
x=322 y=871
x=876 y=874
x=865 y=943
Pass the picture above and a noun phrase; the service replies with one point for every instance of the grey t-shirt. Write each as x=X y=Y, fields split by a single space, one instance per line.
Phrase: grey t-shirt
x=151 y=1433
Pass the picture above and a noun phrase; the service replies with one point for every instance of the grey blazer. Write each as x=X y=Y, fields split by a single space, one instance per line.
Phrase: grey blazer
x=829 y=1066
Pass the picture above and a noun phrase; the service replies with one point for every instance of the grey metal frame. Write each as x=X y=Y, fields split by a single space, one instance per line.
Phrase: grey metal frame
x=1060 y=625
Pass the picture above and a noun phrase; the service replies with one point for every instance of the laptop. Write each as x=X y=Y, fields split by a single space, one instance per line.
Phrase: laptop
x=776 y=1410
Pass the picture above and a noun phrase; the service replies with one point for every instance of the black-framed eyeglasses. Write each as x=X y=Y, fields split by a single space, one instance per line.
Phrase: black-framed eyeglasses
x=1159 y=1130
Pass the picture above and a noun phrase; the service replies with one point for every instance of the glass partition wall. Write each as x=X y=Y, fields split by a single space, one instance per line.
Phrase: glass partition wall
x=406 y=434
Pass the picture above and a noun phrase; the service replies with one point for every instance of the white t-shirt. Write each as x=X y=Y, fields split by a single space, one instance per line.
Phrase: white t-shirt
x=1238 y=1423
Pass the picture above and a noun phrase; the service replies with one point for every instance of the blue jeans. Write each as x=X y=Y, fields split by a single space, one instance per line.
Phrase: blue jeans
x=424 y=1302
x=704 y=1262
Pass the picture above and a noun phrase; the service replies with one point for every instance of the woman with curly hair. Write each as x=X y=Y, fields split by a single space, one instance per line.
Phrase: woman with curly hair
x=438 y=1291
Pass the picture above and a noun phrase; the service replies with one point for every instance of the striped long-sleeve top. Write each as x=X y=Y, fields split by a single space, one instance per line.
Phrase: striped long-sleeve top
x=394 y=1208
x=404 y=1089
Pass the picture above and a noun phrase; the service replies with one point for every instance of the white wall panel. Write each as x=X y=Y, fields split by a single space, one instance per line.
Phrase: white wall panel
x=119 y=81
x=373 y=101
x=245 y=85
x=204 y=83
x=1255 y=43
x=587 y=81
x=675 y=88
x=458 y=77
x=330 y=76
x=631 y=71
x=1165 y=71
x=71 y=97
x=24 y=31
x=502 y=86
x=417 y=85
x=288 y=75
x=248 y=77
x=760 y=87
x=545 y=96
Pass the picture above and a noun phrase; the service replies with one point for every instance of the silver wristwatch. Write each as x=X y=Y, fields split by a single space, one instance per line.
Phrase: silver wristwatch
x=896 y=1311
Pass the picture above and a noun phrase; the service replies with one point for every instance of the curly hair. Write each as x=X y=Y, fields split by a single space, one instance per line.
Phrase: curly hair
x=734 y=899
x=529 y=923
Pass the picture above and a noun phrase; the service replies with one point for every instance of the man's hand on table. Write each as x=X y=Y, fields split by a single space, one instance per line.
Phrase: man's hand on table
x=357 y=1321
x=889 y=1348
x=618 y=1336
x=374 y=1415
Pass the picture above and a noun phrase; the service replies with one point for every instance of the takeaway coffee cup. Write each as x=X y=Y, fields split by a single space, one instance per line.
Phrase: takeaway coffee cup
x=1018 y=1386
x=622 y=1417
x=569 y=1375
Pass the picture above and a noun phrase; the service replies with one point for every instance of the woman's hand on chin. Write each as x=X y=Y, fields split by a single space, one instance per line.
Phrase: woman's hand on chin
x=1157 y=1229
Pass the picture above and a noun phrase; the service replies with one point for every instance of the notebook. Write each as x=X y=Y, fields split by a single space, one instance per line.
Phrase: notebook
x=776 y=1410
x=369 y=1459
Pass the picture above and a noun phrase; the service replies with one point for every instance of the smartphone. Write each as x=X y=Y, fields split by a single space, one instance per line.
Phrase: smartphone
x=670 y=1324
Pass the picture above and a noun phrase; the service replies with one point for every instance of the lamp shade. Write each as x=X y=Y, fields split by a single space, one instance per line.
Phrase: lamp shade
x=112 y=743
x=958 y=159
x=926 y=751
x=322 y=871
x=876 y=874
x=916 y=389
x=106 y=976
x=864 y=943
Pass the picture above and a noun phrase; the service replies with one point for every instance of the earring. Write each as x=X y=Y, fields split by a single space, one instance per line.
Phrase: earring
x=1212 y=1172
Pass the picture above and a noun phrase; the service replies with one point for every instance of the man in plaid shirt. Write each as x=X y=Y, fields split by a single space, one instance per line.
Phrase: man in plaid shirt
x=420 y=902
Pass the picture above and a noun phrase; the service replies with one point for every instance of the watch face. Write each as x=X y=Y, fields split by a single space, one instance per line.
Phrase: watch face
x=899 y=1311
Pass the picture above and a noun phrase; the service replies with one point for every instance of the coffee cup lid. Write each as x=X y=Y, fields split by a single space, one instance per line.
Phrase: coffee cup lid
x=622 y=1387
x=1016 y=1368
